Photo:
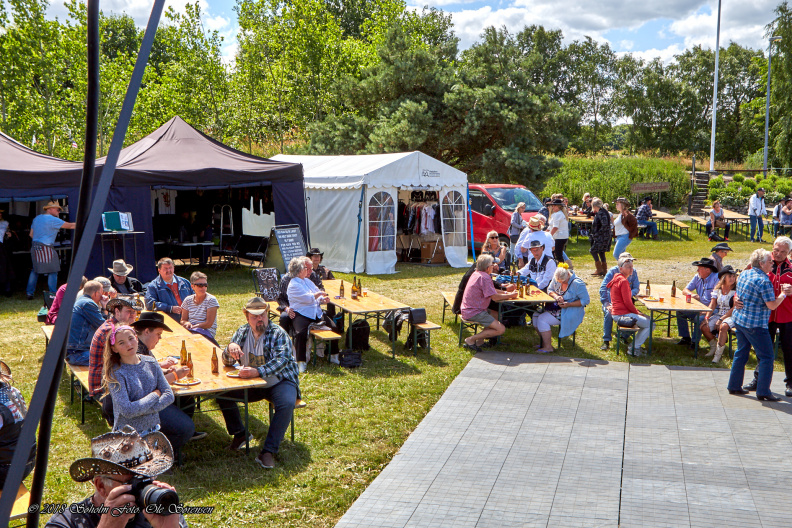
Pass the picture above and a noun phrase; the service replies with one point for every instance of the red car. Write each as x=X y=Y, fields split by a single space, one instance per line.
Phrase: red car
x=492 y=205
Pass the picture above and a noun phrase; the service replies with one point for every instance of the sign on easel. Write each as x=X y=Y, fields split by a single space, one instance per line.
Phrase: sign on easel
x=285 y=243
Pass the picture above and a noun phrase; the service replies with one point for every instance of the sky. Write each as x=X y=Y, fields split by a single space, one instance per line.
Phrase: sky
x=647 y=29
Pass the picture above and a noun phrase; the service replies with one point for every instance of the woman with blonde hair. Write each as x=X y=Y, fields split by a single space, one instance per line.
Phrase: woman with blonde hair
x=492 y=246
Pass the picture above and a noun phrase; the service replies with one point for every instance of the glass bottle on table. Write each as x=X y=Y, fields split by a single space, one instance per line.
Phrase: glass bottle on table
x=183 y=354
x=215 y=364
x=673 y=289
x=341 y=290
x=648 y=288
x=354 y=293
x=190 y=367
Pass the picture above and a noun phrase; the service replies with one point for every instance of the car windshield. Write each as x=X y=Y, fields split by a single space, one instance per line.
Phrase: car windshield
x=509 y=197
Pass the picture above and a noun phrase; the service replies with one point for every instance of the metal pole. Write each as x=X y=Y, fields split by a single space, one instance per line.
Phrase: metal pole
x=360 y=221
x=470 y=214
x=767 y=101
x=715 y=93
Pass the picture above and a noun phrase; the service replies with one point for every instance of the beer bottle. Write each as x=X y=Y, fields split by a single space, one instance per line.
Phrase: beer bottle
x=183 y=354
x=673 y=289
x=190 y=366
x=215 y=367
x=648 y=288
x=354 y=289
x=341 y=290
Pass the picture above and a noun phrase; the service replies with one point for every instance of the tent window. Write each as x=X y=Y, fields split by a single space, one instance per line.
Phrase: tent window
x=382 y=229
x=453 y=215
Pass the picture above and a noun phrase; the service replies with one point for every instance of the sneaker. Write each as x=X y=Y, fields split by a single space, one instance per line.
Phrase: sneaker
x=299 y=404
x=605 y=345
x=29 y=297
x=265 y=460
x=334 y=359
x=302 y=366
x=238 y=442
x=198 y=435
x=750 y=386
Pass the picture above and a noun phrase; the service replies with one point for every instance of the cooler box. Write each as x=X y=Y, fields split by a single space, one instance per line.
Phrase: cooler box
x=431 y=256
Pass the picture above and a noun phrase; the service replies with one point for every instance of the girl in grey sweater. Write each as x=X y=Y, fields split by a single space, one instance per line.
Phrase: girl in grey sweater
x=136 y=383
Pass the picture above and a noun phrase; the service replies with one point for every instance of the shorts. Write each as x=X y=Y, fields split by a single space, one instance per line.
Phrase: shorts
x=713 y=323
x=482 y=318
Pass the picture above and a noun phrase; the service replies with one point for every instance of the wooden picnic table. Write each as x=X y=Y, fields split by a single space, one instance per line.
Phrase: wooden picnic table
x=738 y=219
x=668 y=306
x=522 y=304
x=371 y=306
x=577 y=220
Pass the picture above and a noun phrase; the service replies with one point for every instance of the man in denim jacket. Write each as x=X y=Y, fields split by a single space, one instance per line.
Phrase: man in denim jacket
x=167 y=291
x=86 y=318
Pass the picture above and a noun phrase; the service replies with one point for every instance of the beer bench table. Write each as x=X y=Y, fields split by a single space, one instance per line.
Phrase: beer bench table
x=448 y=302
x=80 y=374
x=373 y=306
x=19 y=510
x=665 y=310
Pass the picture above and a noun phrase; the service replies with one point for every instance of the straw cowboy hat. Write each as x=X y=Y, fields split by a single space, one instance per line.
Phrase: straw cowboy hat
x=5 y=371
x=112 y=304
x=535 y=223
x=125 y=452
x=51 y=204
x=256 y=306
x=121 y=268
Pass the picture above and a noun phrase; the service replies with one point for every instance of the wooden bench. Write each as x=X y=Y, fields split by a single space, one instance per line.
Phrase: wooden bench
x=426 y=328
x=679 y=225
x=467 y=325
x=19 y=510
x=80 y=374
x=701 y=223
x=626 y=330
x=448 y=302
x=47 y=329
x=322 y=335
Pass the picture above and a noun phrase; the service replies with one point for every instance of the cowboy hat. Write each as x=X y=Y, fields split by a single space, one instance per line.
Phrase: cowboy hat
x=726 y=270
x=535 y=223
x=51 y=204
x=125 y=452
x=150 y=320
x=121 y=268
x=536 y=243
x=623 y=200
x=706 y=262
x=647 y=199
x=5 y=371
x=557 y=201
x=626 y=256
x=256 y=306
x=723 y=246
x=112 y=304
x=314 y=251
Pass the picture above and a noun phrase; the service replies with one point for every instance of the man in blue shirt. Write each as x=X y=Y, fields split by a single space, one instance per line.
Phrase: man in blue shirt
x=87 y=317
x=604 y=293
x=700 y=288
x=167 y=292
x=45 y=259
x=644 y=217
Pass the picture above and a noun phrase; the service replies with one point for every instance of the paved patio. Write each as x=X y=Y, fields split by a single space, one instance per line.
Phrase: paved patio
x=523 y=440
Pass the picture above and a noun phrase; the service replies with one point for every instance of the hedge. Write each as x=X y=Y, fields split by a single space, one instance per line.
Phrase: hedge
x=609 y=178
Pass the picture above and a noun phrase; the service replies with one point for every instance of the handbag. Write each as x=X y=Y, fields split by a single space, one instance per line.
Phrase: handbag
x=720 y=223
x=626 y=322
x=417 y=315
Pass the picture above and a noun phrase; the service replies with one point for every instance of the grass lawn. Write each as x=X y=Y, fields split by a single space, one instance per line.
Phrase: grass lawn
x=356 y=420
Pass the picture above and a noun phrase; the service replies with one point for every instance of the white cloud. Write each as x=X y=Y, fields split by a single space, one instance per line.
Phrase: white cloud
x=216 y=23
x=626 y=44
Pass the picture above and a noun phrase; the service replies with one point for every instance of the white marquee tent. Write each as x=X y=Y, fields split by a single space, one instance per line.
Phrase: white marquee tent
x=339 y=188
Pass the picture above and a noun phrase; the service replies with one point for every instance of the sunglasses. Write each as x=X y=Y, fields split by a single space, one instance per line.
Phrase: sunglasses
x=493 y=237
x=201 y=285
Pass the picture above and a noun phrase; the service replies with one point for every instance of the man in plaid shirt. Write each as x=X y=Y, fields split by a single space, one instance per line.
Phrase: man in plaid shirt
x=121 y=313
x=644 y=217
x=264 y=350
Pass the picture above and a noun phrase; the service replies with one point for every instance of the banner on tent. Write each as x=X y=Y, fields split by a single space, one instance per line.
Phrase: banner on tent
x=285 y=243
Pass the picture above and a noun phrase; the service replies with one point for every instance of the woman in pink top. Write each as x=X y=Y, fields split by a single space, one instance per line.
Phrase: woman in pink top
x=476 y=301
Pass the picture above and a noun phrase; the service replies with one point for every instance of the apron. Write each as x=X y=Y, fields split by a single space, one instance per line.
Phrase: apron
x=45 y=259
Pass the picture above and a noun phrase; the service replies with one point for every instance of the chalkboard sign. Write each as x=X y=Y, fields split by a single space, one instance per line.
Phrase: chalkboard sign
x=285 y=243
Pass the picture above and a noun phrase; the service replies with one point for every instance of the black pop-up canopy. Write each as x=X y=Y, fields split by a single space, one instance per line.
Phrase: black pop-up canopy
x=175 y=156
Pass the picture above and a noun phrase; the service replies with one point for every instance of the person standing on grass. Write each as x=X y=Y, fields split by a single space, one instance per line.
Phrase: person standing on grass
x=559 y=228
x=517 y=225
x=625 y=226
x=43 y=231
x=605 y=297
x=756 y=211
x=758 y=298
x=600 y=236
x=477 y=303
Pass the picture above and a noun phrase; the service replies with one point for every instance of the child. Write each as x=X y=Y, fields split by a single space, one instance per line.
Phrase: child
x=135 y=382
x=719 y=320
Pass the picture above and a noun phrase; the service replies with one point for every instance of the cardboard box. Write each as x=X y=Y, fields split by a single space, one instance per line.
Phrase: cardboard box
x=431 y=256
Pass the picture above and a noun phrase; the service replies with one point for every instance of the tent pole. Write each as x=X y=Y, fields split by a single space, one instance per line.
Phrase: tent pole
x=470 y=214
x=52 y=362
x=360 y=221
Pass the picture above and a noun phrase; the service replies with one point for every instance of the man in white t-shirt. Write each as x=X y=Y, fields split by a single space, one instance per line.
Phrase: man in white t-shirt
x=559 y=228
x=534 y=231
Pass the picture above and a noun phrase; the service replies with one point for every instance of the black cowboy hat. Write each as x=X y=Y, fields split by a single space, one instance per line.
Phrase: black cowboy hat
x=726 y=270
x=557 y=201
x=647 y=199
x=537 y=243
x=314 y=251
x=723 y=246
x=151 y=320
x=707 y=263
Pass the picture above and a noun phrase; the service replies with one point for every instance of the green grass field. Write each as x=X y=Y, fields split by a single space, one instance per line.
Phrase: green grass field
x=356 y=420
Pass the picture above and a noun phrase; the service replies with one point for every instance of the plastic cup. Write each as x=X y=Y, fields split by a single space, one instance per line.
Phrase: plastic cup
x=661 y=298
x=365 y=292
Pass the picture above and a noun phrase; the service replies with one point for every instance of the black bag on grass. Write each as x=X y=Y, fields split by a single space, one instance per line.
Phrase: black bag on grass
x=394 y=322
x=360 y=334
x=420 y=337
x=349 y=358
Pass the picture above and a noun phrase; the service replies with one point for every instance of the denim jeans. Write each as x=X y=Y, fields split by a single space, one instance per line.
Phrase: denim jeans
x=754 y=221
x=176 y=425
x=78 y=358
x=651 y=226
x=682 y=325
x=622 y=241
x=283 y=397
x=607 y=325
x=642 y=322
x=52 y=282
x=776 y=228
x=759 y=338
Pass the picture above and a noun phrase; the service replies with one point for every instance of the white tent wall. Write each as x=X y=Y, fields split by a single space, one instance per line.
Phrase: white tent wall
x=380 y=233
x=453 y=218
x=333 y=221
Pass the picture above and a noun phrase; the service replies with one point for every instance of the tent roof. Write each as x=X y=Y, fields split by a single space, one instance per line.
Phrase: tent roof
x=178 y=156
x=24 y=168
x=403 y=169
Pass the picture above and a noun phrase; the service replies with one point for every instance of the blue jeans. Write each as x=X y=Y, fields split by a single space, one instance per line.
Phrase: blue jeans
x=651 y=226
x=283 y=397
x=78 y=357
x=754 y=221
x=642 y=322
x=52 y=282
x=176 y=425
x=622 y=241
x=682 y=325
x=759 y=338
x=607 y=325
x=776 y=228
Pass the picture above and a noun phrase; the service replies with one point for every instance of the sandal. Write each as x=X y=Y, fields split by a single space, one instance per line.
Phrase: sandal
x=473 y=348
x=543 y=351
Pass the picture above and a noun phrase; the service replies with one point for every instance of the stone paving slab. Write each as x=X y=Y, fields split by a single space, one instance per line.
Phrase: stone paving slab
x=521 y=440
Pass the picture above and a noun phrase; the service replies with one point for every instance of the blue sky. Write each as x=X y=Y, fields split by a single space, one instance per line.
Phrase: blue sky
x=646 y=29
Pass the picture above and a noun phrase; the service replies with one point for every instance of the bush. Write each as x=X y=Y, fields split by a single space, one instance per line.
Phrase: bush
x=609 y=178
x=717 y=183
x=739 y=178
x=784 y=187
x=751 y=184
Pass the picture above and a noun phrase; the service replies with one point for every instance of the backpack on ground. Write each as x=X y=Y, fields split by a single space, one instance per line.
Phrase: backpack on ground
x=350 y=358
x=421 y=337
x=394 y=322
x=360 y=334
